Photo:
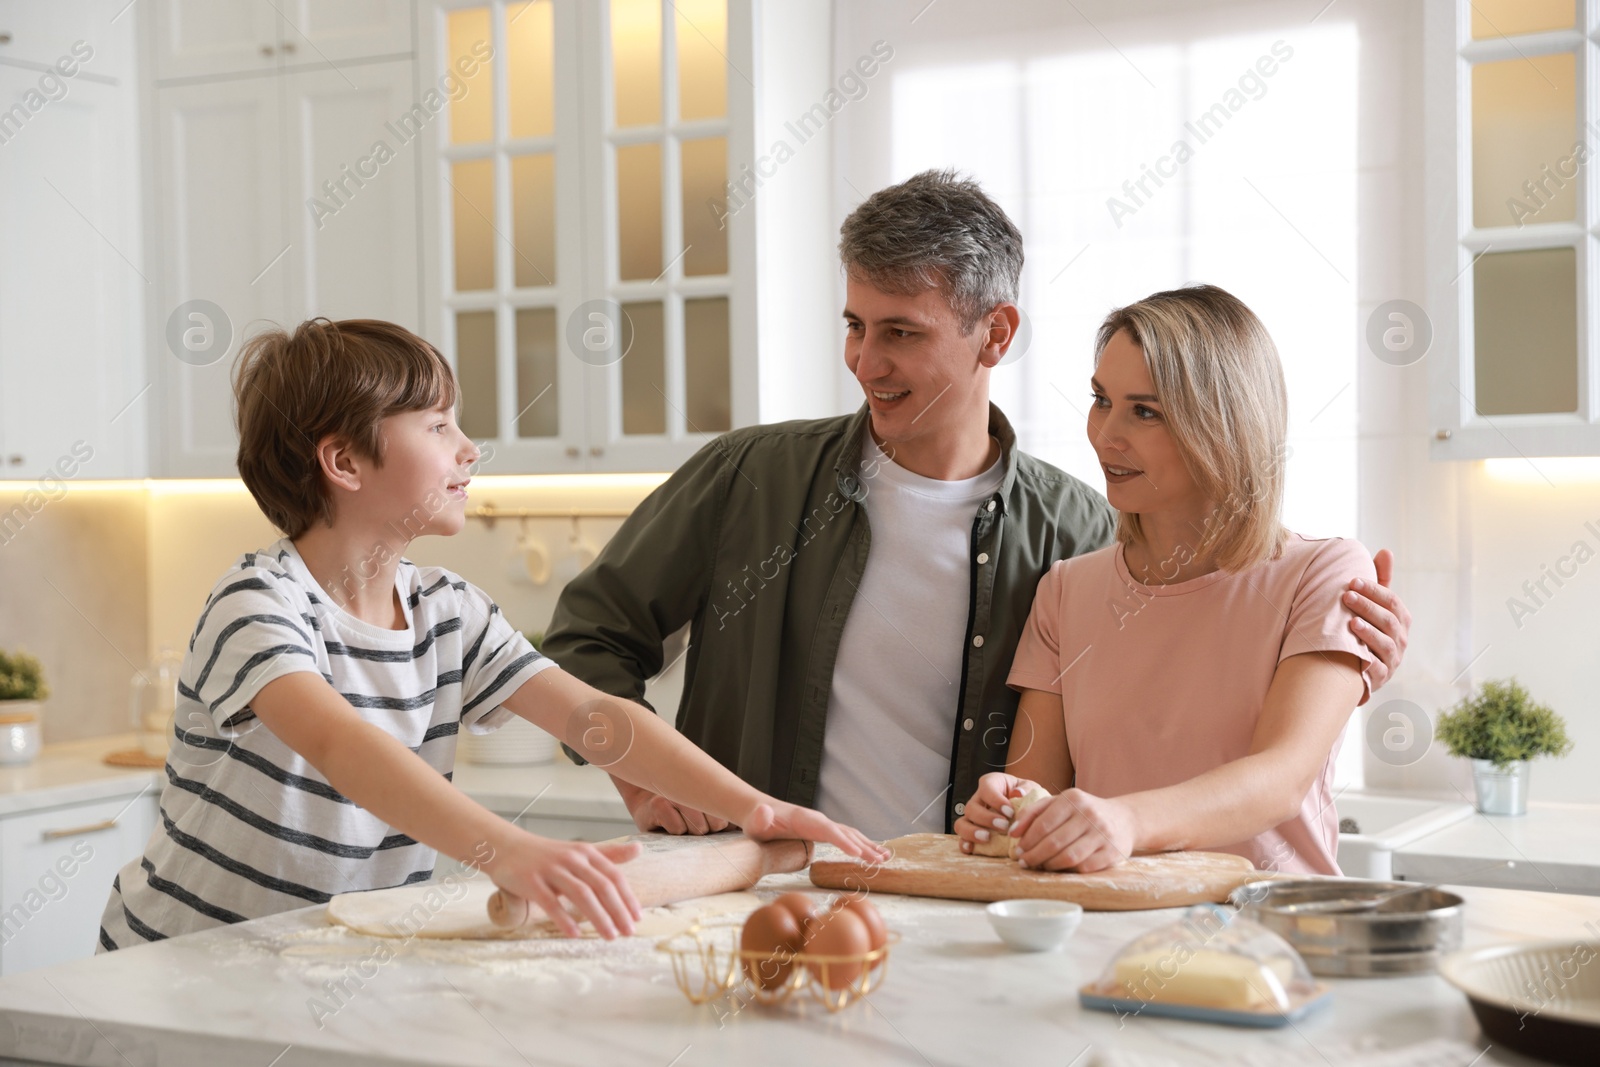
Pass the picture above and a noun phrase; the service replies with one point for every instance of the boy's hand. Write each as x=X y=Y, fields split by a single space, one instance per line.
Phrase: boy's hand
x=1075 y=831
x=989 y=812
x=547 y=872
x=652 y=811
x=775 y=819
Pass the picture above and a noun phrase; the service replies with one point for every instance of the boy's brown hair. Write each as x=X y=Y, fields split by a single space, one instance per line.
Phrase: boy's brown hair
x=328 y=378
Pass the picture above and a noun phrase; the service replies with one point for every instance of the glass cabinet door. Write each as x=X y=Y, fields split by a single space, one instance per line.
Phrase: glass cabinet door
x=665 y=157
x=583 y=168
x=509 y=191
x=1512 y=372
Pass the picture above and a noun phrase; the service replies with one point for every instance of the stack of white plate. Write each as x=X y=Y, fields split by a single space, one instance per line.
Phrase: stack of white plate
x=518 y=741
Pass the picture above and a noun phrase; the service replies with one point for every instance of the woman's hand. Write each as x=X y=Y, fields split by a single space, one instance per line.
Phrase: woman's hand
x=989 y=811
x=586 y=876
x=1075 y=831
x=773 y=820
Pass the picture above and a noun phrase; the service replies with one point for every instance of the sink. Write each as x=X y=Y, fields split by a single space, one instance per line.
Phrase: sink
x=1387 y=823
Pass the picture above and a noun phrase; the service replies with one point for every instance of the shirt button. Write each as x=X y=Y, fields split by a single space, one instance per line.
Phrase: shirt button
x=990 y=507
x=961 y=809
x=967 y=725
x=977 y=642
x=983 y=557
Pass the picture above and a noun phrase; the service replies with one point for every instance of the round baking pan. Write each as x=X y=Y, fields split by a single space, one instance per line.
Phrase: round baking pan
x=1351 y=928
x=1540 y=998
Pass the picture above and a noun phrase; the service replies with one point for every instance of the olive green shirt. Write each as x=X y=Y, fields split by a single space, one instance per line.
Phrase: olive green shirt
x=758 y=543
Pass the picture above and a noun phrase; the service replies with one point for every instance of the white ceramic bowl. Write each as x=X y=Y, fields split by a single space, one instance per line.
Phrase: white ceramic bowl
x=1034 y=925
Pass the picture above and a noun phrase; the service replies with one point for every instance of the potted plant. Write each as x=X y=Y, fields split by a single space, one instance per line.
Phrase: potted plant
x=22 y=688
x=1500 y=728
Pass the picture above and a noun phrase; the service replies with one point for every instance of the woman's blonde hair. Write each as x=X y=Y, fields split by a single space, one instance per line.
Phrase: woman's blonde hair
x=1220 y=383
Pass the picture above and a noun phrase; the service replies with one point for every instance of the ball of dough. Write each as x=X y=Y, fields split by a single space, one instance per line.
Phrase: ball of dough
x=999 y=845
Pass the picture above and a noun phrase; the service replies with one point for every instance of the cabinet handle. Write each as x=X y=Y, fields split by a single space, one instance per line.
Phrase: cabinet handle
x=77 y=831
x=5 y=38
x=287 y=47
x=266 y=49
x=596 y=450
x=14 y=460
x=573 y=453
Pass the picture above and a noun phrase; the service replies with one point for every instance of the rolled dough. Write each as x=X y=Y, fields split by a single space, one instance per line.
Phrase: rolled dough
x=460 y=911
x=999 y=845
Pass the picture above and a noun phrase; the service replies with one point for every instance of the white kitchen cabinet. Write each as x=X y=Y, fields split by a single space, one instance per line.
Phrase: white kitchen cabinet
x=221 y=207
x=340 y=30
x=56 y=869
x=206 y=38
x=1513 y=233
x=271 y=202
x=195 y=38
x=353 y=248
x=72 y=277
x=584 y=270
x=39 y=34
x=242 y=165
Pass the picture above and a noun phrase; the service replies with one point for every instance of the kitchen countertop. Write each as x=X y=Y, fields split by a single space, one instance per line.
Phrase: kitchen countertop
x=1553 y=848
x=72 y=772
x=556 y=790
x=289 y=991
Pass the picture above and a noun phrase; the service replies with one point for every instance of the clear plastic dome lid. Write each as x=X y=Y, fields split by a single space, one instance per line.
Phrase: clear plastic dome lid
x=1211 y=958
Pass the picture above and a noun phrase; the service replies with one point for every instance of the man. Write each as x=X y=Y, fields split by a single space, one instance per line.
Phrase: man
x=855 y=587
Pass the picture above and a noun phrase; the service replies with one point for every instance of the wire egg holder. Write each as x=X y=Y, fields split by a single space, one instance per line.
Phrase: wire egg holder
x=705 y=971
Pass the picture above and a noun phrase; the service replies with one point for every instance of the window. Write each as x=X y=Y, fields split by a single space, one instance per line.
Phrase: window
x=1228 y=159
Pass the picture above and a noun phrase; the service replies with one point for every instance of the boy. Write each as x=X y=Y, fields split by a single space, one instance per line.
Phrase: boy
x=328 y=677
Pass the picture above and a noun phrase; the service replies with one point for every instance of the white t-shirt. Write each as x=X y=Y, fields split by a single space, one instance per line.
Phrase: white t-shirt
x=897 y=679
x=248 y=827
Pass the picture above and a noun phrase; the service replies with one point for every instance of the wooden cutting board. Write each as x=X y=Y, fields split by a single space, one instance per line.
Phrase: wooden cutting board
x=933 y=865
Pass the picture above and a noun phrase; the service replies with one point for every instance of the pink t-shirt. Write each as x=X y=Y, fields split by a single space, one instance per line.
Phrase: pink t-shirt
x=1161 y=683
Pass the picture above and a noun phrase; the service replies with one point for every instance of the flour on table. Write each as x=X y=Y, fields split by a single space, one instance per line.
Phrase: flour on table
x=459 y=910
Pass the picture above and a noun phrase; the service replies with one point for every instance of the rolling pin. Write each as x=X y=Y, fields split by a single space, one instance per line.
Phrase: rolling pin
x=696 y=867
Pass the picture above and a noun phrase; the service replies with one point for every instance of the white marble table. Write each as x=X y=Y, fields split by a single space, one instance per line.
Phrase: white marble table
x=289 y=990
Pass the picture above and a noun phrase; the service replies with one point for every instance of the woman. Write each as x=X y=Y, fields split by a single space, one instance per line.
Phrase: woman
x=1187 y=686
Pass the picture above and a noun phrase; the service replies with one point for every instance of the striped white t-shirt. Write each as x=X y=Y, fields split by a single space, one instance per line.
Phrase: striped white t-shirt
x=249 y=828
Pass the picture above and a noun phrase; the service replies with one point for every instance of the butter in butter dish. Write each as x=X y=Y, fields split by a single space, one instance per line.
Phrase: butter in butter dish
x=1209 y=966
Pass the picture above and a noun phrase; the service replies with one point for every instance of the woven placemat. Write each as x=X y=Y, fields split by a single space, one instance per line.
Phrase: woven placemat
x=134 y=757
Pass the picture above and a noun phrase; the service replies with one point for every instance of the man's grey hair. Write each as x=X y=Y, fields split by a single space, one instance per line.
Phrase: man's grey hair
x=936 y=229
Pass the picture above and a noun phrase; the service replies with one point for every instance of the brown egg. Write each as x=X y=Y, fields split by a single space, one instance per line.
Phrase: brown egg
x=869 y=915
x=776 y=934
x=803 y=906
x=838 y=933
